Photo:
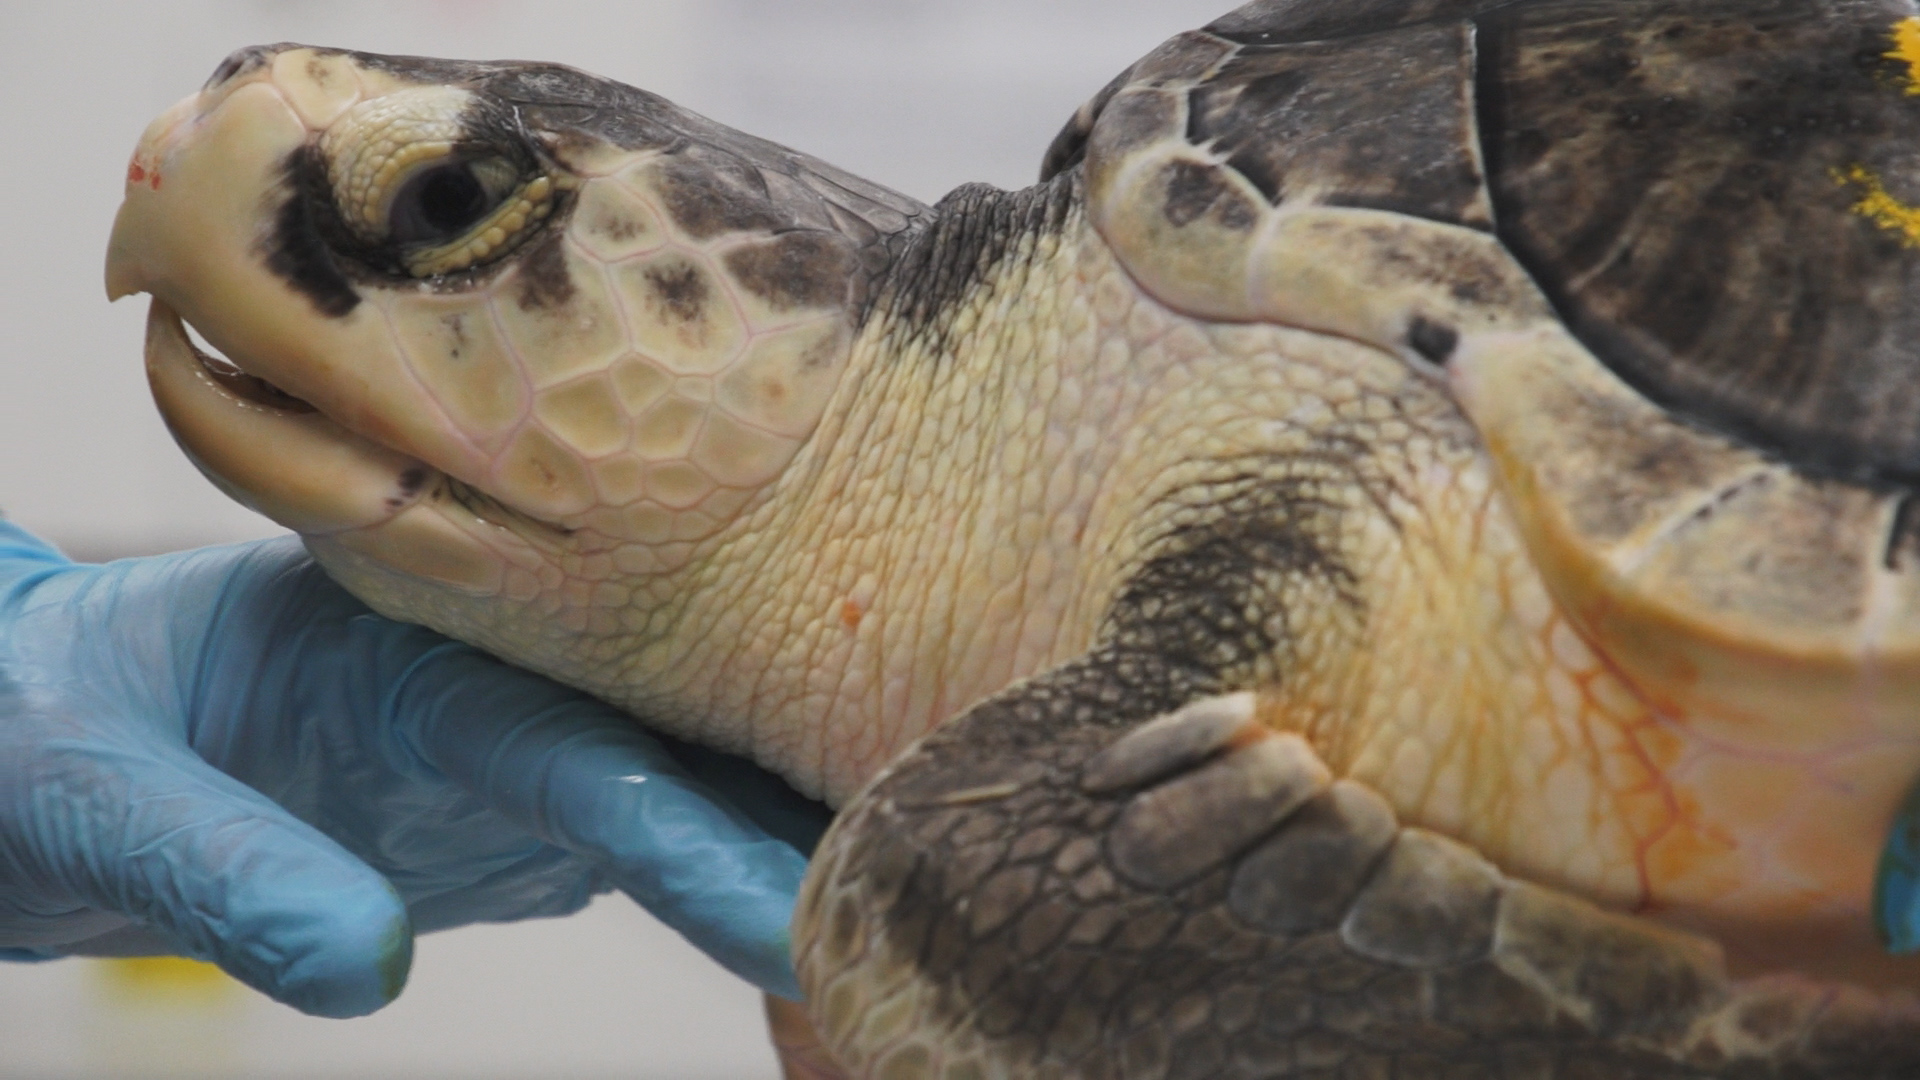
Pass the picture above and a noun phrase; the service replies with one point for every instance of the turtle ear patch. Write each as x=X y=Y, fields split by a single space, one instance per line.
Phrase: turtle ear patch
x=678 y=290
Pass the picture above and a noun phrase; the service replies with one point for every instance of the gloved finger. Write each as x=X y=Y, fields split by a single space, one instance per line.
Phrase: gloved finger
x=154 y=833
x=22 y=554
x=771 y=802
x=584 y=777
x=1896 y=891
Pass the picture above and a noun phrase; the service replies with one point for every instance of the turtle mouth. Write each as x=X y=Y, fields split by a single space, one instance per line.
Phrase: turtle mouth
x=269 y=449
x=235 y=380
x=284 y=457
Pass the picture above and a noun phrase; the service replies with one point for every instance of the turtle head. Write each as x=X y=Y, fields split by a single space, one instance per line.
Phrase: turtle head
x=479 y=320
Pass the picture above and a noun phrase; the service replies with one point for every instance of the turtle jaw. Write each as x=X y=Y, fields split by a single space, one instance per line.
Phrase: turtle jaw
x=285 y=459
x=269 y=450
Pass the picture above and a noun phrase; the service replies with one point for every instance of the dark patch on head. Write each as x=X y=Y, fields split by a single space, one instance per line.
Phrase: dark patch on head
x=1668 y=175
x=545 y=281
x=1191 y=190
x=965 y=248
x=709 y=193
x=296 y=249
x=456 y=325
x=619 y=227
x=1432 y=340
x=797 y=269
x=320 y=73
x=681 y=289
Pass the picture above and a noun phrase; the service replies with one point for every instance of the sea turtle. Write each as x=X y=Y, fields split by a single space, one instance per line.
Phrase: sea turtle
x=1395 y=558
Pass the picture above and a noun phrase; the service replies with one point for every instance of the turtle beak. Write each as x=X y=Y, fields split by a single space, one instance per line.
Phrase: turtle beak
x=173 y=191
x=189 y=220
x=193 y=189
x=127 y=269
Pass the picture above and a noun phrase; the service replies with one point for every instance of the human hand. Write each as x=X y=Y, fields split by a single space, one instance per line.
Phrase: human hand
x=222 y=754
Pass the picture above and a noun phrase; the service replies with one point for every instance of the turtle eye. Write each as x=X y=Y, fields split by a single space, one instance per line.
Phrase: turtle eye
x=440 y=203
x=433 y=180
x=454 y=213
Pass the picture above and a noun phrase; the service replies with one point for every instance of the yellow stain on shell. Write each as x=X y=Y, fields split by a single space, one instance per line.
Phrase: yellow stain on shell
x=1876 y=204
x=1906 y=49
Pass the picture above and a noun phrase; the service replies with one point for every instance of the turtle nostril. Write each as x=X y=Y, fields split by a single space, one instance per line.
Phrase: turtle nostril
x=239 y=62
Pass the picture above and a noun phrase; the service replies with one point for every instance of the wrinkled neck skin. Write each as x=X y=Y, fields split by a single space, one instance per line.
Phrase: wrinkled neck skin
x=1019 y=429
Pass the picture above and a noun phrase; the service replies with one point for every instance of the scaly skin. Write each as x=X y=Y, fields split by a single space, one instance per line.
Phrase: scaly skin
x=1030 y=515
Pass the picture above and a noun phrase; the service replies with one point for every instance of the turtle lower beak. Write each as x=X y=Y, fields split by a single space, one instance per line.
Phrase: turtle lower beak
x=280 y=458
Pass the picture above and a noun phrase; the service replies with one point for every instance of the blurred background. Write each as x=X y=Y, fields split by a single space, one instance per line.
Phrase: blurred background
x=919 y=95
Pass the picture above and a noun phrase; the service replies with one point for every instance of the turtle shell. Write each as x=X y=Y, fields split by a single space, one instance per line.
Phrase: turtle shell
x=1717 y=196
x=1721 y=198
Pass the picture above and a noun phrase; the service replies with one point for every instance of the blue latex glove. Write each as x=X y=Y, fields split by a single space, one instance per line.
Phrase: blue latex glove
x=1896 y=893
x=221 y=754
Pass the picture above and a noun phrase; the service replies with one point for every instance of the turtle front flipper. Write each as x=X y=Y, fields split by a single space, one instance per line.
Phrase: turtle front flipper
x=1056 y=885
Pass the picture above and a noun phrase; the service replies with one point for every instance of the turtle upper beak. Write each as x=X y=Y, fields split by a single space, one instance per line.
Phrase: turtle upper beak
x=261 y=102
x=193 y=189
x=132 y=240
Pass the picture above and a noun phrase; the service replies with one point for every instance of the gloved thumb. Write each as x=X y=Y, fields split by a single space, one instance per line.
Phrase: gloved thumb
x=210 y=865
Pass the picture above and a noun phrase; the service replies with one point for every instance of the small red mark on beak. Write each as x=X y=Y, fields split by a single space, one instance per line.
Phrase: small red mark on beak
x=850 y=614
x=153 y=180
x=135 y=174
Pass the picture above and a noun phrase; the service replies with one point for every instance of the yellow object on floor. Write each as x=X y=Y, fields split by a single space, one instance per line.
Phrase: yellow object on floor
x=170 y=979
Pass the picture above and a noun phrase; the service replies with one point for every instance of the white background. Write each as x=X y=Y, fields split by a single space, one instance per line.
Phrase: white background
x=917 y=94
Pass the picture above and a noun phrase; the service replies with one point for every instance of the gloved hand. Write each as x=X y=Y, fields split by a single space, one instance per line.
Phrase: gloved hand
x=222 y=754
